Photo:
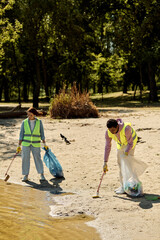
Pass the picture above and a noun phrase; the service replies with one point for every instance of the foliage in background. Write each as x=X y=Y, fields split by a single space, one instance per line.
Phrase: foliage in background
x=107 y=72
x=102 y=45
x=72 y=104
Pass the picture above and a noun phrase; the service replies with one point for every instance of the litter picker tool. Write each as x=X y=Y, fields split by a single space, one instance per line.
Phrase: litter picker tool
x=97 y=196
x=6 y=174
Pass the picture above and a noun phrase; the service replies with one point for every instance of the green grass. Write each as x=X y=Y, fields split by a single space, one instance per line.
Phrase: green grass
x=118 y=99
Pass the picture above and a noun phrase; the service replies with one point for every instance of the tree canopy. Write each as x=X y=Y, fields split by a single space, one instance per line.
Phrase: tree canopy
x=99 y=44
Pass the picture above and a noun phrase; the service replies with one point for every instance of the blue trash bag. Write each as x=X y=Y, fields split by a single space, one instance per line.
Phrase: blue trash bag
x=53 y=164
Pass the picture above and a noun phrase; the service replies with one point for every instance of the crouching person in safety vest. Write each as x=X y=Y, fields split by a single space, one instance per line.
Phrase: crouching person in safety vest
x=31 y=134
x=126 y=139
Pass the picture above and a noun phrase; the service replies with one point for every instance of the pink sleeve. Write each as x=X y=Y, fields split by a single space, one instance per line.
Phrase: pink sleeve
x=128 y=133
x=107 y=147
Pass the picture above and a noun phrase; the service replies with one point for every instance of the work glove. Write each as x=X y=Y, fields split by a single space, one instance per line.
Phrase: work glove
x=18 y=149
x=126 y=153
x=105 y=168
x=46 y=147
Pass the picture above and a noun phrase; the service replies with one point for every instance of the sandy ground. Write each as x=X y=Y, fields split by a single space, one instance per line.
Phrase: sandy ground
x=116 y=216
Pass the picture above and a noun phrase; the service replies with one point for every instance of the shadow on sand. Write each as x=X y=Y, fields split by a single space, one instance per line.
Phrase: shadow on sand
x=44 y=185
x=145 y=202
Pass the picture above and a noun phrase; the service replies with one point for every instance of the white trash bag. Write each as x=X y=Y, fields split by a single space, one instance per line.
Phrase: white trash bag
x=131 y=169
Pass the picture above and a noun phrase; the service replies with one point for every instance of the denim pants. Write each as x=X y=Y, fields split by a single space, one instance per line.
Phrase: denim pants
x=36 y=152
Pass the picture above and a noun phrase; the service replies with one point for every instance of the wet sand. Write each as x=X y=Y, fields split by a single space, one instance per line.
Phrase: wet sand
x=24 y=214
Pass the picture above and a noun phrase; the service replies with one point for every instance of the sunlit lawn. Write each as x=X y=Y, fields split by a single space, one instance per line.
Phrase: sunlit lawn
x=119 y=99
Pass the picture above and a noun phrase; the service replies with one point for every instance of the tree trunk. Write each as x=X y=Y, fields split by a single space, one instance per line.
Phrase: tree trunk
x=57 y=87
x=18 y=112
x=106 y=86
x=86 y=83
x=25 y=91
x=100 y=88
x=94 y=88
x=153 y=88
x=45 y=78
x=37 y=81
x=1 y=88
x=141 y=83
x=17 y=73
x=6 y=90
x=125 y=84
x=12 y=114
x=135 y=89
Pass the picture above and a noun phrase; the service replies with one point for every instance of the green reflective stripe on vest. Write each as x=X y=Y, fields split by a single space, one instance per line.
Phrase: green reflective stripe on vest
x=123 y=137
x=33 y=138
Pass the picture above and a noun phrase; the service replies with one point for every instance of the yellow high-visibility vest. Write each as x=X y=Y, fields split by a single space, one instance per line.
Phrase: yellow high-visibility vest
x=33 y=138
x=123 y=140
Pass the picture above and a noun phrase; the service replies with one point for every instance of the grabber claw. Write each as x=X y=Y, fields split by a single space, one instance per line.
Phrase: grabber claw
x=97 y=196
x=6 y=178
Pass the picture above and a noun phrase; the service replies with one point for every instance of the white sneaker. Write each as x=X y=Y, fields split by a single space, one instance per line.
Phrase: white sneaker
x=120 y=190
x=25 y=178
x=42 y=177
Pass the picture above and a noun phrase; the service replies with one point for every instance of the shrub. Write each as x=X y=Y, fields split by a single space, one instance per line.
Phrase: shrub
x=72 y=105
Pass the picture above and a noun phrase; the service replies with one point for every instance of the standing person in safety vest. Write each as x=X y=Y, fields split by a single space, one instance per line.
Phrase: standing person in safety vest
x=126 y=139
x=31 y=134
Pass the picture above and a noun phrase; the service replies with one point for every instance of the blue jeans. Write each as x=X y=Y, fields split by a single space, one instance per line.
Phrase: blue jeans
x=36 y=152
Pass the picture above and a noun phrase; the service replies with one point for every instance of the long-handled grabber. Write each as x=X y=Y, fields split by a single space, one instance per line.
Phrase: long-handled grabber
x=7 y=176
x=97 y=196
